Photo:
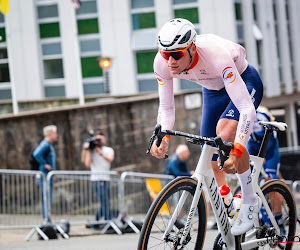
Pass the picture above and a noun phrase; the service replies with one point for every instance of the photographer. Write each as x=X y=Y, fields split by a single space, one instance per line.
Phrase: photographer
x=99 y=158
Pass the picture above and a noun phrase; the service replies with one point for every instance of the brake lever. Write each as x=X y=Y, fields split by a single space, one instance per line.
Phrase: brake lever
x=160 y=135
x=223 y=151
x=154 y=134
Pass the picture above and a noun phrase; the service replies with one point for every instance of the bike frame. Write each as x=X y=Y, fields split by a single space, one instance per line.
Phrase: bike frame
x=205 y=177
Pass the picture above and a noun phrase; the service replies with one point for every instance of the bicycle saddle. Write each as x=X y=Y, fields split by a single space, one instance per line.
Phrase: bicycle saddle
x=280 y=125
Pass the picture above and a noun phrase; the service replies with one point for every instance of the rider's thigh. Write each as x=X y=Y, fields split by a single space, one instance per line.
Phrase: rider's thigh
x=226 y=129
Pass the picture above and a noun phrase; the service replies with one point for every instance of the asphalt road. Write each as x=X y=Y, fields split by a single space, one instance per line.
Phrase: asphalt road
x=87 y=239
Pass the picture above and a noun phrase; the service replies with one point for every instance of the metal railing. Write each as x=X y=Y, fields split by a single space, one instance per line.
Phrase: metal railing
x=71 y=196
x=83 y=198
x=134 y=197
x=21 y=198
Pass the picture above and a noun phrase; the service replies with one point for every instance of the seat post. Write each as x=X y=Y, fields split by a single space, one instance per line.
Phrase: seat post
x=263 y=148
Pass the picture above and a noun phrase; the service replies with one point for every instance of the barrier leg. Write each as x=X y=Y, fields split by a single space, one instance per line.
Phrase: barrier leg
x=61 y=231
x=39 y=231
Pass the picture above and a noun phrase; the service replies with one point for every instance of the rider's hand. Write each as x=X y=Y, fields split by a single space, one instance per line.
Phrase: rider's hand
x=230 y=165
x=160 y=152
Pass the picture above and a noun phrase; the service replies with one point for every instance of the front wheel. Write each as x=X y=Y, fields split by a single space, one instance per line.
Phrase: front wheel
x=161 y=211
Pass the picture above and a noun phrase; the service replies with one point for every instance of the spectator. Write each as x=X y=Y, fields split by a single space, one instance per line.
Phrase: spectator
x=177 y=165
x=98 y=160
x=45 y=156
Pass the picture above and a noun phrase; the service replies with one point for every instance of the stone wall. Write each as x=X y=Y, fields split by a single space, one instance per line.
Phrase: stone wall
x=127 y=123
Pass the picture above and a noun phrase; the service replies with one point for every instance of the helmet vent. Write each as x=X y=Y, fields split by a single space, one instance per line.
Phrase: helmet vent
x=185 y=38
x=168 y=45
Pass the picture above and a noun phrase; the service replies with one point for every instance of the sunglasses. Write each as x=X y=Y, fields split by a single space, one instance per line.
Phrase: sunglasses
x=176 y=54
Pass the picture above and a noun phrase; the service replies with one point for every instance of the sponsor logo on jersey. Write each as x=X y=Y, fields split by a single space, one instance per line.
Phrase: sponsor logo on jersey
x=229 y=75
x=230 y=113
x=161 y=81
x=242 y=136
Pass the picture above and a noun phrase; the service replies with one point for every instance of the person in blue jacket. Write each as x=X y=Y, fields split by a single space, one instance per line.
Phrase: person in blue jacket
x=45 y=156
x=177 y=165
x=271 y=163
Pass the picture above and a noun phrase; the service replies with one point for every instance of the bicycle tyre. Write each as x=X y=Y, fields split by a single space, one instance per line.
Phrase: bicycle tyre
x=289 y=213
x=165 y=196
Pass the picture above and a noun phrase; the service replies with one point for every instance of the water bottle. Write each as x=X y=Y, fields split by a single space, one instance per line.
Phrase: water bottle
x=227 y=197
x=237 y=202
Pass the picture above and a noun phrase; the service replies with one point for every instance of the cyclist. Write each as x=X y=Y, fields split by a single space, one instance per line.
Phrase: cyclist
x=232 y=90
x=272 y=159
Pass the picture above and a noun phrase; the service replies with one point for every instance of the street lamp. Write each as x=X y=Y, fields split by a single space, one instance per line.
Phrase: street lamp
x=105 y=64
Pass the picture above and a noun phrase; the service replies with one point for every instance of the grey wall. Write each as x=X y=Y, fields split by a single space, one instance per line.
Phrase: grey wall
x=127 y=123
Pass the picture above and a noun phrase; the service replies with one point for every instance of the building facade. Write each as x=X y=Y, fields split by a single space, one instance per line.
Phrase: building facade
x=50 y=49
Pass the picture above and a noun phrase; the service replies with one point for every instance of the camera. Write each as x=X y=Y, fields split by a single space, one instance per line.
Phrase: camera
x=93 y=142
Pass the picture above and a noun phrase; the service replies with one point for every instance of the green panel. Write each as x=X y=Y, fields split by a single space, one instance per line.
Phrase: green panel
x=88 y=26
x=90 y=67
x=238 y=11
x=189 y=14
x=143 y=20
x=49 y=30
x=144 y=61
x=3 y=35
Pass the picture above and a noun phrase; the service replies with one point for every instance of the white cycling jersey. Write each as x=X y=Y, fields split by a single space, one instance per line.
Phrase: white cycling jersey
x=218 y=63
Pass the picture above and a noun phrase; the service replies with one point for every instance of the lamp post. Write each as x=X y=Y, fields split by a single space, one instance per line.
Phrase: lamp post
x=105 y=64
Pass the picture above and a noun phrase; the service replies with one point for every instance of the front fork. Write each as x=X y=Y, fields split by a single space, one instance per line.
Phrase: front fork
x=192 y=211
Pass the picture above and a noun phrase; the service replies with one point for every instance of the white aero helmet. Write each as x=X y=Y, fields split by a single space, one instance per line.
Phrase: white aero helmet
x=176 y=34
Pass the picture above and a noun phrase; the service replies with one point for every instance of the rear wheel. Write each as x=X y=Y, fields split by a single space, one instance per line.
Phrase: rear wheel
x=282 y=204
x=161 y=212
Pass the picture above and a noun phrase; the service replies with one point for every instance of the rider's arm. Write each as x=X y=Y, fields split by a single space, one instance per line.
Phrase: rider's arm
x=166 y=111
x=238 y=93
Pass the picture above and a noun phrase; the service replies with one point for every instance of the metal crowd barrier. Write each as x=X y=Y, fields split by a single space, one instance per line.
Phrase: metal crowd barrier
x=134 y=197
x=296 y=192
x=22 y=200
x=72 y=197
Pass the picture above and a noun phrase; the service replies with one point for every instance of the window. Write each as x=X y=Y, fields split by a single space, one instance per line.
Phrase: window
x=3 y=35
x=51 y=49
x=47 y=11
x=238 y=11
x=90 y=67
x=87 y=26
x=90 y=47
x=4 y=72
x=5 y=91
x=143 y=20
x=48 y=30
x=49 y=27
x=184 y=1
x=55 y=91
x=135 y=4
x=190 y=14
x=147 y=85
x=144 y=61
x=143 y=14
x=5 y=94
x=53 y=69
x=87 y=7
